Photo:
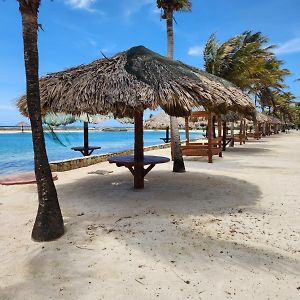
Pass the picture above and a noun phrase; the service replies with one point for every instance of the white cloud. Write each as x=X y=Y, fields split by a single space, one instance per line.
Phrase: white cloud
x=131 y=7
x=196 y=51
x=84 y=4
x=290 y=46
x=6 y=107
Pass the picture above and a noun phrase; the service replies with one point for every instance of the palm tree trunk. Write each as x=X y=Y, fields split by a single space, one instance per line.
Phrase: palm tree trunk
x=178 y=163
x=49 y=223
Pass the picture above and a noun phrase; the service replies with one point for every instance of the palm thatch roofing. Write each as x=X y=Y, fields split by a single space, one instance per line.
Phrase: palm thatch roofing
x=232 y=117
x=264 y=118
x=162 y=121
x=136 y=79
x=22 y=123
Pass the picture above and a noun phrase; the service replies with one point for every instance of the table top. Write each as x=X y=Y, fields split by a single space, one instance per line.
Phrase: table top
x=79 y=148
x=128 y=160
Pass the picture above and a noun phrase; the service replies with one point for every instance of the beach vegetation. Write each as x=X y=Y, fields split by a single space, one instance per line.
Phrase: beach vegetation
x=248 y=61
x=168 y=7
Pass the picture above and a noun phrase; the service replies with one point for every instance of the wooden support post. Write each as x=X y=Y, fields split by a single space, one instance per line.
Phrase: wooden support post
x=138 y=149
x=86 y=138
x=187 y=130
x=224 y=136
x=232 y=134
x=241 y=131
x=244 y=131
x=213 y=127
x=219 y=135
x=209 y=136
x=167 y=134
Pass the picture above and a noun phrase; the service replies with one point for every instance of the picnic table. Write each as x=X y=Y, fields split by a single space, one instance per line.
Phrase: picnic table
x=136 y=166
x=166 y=140
x=86 y=151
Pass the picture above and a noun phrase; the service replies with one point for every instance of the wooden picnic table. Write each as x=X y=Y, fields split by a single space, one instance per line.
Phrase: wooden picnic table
x=136 y=166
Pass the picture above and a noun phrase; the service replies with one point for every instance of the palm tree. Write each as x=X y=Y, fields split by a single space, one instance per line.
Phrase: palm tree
x=49 y=223
x=245 y=61
x=168 y=7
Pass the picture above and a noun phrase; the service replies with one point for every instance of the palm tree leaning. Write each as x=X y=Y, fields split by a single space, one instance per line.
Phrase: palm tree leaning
x=49 y=222
x=168 y=7
x=248 y=63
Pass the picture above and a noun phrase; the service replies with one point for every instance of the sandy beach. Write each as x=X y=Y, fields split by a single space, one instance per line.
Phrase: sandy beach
x=227 y=230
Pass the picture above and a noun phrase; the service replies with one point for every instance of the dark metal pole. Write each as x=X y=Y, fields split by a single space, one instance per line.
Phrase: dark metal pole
x=138 y=150
x=86 y=138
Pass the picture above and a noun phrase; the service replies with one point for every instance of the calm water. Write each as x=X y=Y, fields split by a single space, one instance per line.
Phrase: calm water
x=16 y=154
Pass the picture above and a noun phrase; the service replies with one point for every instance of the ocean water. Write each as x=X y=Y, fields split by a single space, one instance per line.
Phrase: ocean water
x=16 y=153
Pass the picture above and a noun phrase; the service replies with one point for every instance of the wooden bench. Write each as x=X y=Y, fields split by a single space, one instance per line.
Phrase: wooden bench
x=213 y=145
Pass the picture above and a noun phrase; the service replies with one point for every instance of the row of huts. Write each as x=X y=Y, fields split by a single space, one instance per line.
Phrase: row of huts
x=132 y=81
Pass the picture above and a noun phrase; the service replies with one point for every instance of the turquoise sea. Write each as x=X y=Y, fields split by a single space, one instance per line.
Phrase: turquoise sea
x=16 y=154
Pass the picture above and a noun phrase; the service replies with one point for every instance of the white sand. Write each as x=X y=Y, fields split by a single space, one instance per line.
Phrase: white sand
x=228 y=230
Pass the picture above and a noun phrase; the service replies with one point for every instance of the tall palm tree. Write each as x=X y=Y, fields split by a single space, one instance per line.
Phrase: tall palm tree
x=49 y=222
x=168 y=7
x=245 y=61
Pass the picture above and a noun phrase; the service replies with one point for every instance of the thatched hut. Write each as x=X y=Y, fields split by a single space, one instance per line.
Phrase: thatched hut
x=161 y=121
x=22 y=124
x=132 y=81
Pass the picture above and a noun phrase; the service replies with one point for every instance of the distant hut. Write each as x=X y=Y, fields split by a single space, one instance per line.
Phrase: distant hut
x=22 y=125
x=132 y=81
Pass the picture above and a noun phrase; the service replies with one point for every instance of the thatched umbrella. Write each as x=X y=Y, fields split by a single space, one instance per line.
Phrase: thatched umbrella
x=160 y=121
x=22 y=124
x=132 y=81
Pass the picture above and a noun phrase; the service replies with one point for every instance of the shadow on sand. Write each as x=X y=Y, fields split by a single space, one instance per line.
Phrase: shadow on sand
x=158 y=221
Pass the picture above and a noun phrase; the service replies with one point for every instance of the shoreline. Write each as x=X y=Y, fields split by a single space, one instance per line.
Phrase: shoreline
x=93 y=130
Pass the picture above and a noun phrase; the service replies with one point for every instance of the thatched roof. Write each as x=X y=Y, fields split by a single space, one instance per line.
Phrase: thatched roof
x=161 y=121
x=137 y=78
x=264 y=118
x=232 y=117
x=22 y=123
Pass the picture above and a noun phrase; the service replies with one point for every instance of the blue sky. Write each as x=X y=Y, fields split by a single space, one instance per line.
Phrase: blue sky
x=75 y=31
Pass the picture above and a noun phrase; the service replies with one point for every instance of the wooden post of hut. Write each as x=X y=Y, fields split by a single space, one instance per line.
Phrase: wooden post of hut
x=187 y=130
x=232 y=134
x=220 y=134
x=167 y=134
x=85 y=139
x=209 y=135
x=138 y=149
x=241 y=131
x=244 y=131
x=224 y=136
